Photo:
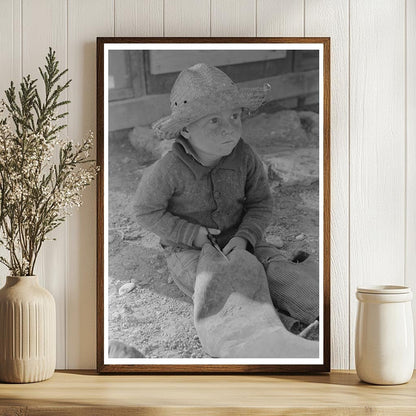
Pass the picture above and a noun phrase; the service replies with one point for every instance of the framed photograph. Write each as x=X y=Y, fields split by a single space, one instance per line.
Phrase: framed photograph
x=213 y=217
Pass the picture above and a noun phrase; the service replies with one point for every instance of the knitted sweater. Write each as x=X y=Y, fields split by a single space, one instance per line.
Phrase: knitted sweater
x=177 y=195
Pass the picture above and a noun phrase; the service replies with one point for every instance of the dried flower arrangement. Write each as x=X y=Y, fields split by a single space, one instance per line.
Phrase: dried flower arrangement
x=37 y=193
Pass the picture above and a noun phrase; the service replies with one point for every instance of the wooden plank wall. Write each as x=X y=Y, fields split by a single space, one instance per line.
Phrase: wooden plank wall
x=410 y=142
x=373 y=151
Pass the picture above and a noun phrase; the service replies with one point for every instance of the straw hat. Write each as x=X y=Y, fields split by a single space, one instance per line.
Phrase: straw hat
x=201 y=90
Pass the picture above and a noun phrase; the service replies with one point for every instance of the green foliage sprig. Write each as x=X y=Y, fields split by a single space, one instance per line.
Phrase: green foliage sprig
x=37 y=193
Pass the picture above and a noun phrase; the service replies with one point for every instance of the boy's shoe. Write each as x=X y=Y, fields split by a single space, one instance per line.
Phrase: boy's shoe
x=300 y=256
x=311 y=331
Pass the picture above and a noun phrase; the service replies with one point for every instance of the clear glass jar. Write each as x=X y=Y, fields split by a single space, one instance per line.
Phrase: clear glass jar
x=384 y=337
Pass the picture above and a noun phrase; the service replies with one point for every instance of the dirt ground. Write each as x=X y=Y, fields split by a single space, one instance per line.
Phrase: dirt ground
x=156 y=317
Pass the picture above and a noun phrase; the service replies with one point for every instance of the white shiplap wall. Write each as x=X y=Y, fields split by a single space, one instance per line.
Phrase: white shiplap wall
x=373 y=131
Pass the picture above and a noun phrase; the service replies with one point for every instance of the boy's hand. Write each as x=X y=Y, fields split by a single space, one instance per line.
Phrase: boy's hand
x=235 y=242
x=202 y=238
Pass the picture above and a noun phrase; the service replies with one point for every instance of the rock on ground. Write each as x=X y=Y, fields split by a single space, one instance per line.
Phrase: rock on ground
x=285 y=128
x=293 y=166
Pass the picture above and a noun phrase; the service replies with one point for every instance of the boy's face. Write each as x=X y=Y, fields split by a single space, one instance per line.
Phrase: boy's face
x=215 y=134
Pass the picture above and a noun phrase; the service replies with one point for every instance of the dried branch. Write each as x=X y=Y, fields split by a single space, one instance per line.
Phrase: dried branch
x=36 y=194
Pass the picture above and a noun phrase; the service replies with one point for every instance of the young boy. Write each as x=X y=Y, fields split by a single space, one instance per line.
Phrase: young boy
x=212 y=184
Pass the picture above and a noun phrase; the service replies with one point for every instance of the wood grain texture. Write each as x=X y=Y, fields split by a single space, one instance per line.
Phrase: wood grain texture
x=377 y=152
x=280 y=18
x=233 y=18
x=85 y=21
x=138 y=18
x=168 y=61
x=37 y=38
x=410 y=263
x=377 y=104
x=187 y=18
x=330 y=18
x=82 y=393
x=10 y=44
x=100 y=205
x=198 y=368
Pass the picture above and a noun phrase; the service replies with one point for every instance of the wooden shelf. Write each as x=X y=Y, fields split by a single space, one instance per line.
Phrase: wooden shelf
x=86 y=393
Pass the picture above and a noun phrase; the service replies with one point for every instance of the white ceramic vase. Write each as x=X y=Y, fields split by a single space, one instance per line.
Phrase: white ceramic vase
x=27 y=331
x=384 y=339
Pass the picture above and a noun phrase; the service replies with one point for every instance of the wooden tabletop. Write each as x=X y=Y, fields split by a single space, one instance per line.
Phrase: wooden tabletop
x=86 y=393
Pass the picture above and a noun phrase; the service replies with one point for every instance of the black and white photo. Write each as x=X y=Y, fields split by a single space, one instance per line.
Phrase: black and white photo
x=213 y=208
